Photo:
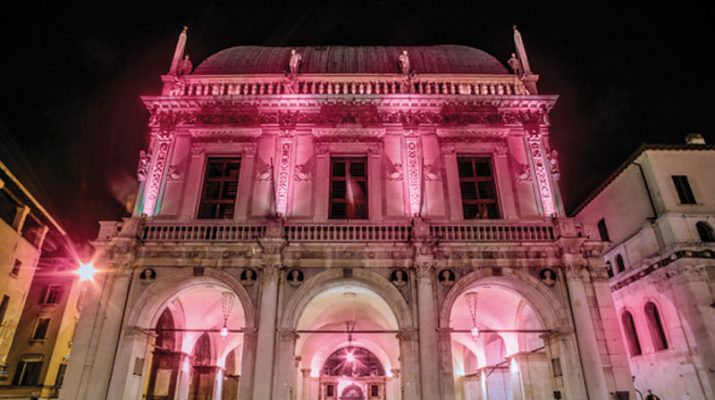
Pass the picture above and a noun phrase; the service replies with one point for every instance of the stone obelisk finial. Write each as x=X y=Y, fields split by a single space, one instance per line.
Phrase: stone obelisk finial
x=529 y=78
x=179 y=52
x=521 y=51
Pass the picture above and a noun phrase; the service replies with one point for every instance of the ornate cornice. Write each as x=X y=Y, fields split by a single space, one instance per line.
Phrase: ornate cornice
x=522 y=103
x=224 y=134
x=348 y=134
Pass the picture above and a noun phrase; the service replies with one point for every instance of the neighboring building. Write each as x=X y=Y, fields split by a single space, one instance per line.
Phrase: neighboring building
x=24 y=223
x=348 y=223
x=40 y=351
x=658 y=212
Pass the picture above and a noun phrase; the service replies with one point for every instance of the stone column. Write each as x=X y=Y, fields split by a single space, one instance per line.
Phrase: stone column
x=562 y=352
x=248 y=363
x=88 y=373
x=409 y=365
x=305 y=395
x=284 y=365
x=586 y=333
x=534 y=376
x=184 y=379
x=263 y=376
x=134 y=351
x=429 y=371
x=445 y=364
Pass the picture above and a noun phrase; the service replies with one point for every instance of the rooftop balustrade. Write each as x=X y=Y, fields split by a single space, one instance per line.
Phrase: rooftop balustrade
x=262 y=85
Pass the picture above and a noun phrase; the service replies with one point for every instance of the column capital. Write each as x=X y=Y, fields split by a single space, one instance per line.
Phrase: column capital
x=425 y=270
x=407 y=336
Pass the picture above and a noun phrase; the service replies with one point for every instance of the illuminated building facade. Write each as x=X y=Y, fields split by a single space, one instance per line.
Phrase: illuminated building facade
x=349 y=223
x=657 y=212
x=22 y=231
x=37 y=360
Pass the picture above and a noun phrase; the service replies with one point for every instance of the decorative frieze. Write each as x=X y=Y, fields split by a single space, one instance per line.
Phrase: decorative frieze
x=540 y=162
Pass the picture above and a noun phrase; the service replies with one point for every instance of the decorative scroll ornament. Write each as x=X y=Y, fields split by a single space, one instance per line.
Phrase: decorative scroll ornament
x=472 y=299
x=154 y=180
x=541 y=173
x=414 y=176
x=304 y=172
x=554 y=161
x=393 y=170
x=143 y=165
x=264 y=170
x=283 y=178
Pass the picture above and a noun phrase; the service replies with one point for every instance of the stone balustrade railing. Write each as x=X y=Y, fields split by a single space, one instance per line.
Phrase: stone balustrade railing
x=481 y=231
x=201 y=232
x=484 y=85
x=493 y=232
x=347 y=233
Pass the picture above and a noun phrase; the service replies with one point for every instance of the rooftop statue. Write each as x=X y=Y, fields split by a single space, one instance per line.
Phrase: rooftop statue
x=405 y=63
x=515 y=65
x=294 y=63
x=185 y=66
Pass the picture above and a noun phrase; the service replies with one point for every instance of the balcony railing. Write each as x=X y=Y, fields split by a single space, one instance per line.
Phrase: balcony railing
x=488 y=232
x=480 y=231
x=347 y=233
x=201 y=232
x=484 y=85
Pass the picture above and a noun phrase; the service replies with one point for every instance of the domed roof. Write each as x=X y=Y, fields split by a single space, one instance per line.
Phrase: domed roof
x=442 y=59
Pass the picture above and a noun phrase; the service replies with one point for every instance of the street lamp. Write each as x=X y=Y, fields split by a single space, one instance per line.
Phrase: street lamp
x=86 y=271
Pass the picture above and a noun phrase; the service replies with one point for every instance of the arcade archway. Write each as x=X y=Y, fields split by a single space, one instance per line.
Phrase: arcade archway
x=198 y=345
x=348 y=346
x=497 y=345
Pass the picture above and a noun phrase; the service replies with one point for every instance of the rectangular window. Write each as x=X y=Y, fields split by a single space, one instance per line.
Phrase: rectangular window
x=348 y=188
x=60 y=375
x=28 y=372
x=478 y=187
x=218 y=197
x=52 y=295
x=602 y=230
x=682 y=186
x=374 y=390
x=16 y=268
x=43 y=325
x=3 y=308
x=329 y=390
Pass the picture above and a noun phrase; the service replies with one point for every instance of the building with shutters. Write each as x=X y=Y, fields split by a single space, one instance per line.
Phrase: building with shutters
x=349 y=223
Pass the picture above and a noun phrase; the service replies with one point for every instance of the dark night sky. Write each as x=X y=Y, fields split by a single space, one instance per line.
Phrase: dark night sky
x=71 y=124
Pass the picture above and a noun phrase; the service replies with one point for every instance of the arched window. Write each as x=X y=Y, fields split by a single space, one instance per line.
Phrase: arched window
x=655 y=326
x=165 y=334
x=610 y=269
x=620 y=266
x=629 y=327
x=705 y=231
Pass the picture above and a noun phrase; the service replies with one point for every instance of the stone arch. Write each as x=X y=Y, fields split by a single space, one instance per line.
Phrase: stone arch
x=333 y=278
x=158 y=295
x=547 y=307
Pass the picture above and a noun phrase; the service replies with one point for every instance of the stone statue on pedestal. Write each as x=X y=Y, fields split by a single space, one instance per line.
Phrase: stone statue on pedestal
x=515 y=65
x=405 y=63
x=294 y=63
x=185 y=66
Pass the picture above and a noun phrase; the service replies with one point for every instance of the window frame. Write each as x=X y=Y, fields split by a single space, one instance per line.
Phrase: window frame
x=216 y=203
x=22 y=367
x=705 y=232
x=631 y=332
x=476 y=179
x=655 y=326
x=57 y=296
x=349 y=160
x=34 y=337
x=683 y=189
x=603 y=230
x=15 y=271
x=4 y=306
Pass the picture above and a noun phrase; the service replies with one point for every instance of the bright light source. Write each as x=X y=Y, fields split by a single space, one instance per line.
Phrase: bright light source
x=223 y=332
x=475 y=332
x=86 y=271
x=350 y=357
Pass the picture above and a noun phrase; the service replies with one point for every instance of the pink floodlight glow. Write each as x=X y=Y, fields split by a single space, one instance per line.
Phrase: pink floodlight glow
x=223 y=332
x=86 y=271
x=350 y=357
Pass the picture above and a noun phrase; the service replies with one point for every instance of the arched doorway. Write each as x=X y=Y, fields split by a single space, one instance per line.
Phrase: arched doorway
x=326 y=351
x=192 y=357
x=497 y=347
